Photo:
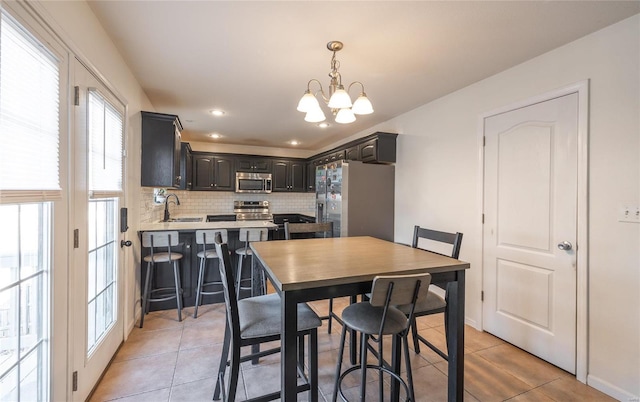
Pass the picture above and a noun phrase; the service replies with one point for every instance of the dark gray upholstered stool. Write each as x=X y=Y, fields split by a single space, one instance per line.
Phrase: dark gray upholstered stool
x=376 y=318
x=152 y=240
x=257 y=320
x=325 y=229
x=247 y=235
x=207 y=239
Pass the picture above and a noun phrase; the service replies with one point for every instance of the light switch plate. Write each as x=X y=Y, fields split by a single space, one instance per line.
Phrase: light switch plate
x=628 y=213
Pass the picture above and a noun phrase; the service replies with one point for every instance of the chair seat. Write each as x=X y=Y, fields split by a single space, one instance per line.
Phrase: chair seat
x=433 y=301
x=163 y=257
x=364 y=317
x=244 y=251
x=260 y=316
x=208 y=254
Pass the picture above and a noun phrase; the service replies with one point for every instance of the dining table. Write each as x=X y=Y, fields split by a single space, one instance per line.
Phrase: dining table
x=305 y=270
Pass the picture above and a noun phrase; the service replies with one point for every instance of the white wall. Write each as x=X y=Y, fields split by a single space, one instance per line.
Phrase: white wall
x=438 y=177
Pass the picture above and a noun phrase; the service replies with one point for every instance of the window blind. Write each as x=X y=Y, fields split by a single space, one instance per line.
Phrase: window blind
x=105 y=146
x=29 y=114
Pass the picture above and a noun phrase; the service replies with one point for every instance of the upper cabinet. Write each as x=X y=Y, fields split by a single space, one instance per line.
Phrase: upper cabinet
x=213 y=172
x=160 y=150
x=186 y=167
x=253 y=165
x=289 y=175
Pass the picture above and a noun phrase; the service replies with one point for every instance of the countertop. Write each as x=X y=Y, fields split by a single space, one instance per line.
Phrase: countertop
x=191 y=226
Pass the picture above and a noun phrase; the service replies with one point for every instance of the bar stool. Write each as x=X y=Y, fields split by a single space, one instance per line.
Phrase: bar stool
x=153 y=240
x=248 y=235
x=207 y=238
x=376 y=318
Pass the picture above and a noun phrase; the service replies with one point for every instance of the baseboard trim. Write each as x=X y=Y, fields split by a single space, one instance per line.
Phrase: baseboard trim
x=611 y=390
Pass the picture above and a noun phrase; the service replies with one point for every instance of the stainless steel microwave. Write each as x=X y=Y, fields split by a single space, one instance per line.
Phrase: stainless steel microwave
x=253 y=182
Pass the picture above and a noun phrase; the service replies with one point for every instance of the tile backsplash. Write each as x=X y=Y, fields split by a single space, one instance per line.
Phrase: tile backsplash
x=221 y=202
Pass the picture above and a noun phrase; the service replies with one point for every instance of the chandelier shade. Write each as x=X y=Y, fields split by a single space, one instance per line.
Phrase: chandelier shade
x=338 y=100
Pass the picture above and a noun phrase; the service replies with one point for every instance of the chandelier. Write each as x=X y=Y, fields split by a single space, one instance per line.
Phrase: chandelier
x=339 y=100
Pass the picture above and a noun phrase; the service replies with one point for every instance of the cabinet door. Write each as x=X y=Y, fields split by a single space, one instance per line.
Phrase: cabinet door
x=203 y=178
x=255 y=165
x=224 y=174
x=280 y=175
x=177 y=148
x=186 y=167
x=160 y=165
x=311 y=177
x=369 y=151
x=297 y=176
x=353 y=153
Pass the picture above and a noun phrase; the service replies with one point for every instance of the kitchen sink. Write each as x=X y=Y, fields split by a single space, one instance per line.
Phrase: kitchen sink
x=184 y=220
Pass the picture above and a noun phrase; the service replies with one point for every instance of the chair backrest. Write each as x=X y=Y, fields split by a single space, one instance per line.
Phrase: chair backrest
x=160 y=239
x=226 y=277
x=402 y=291
x=455 y=239
x=325 y=228
x=209 y=236
x=253 y=234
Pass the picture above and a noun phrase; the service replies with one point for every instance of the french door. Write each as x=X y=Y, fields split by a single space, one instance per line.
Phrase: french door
x=97 y=260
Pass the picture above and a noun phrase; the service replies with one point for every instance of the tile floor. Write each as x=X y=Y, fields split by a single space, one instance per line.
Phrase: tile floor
x=169 y=360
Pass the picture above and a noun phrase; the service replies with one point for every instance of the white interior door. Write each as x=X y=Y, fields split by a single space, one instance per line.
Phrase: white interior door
x=530 y=229
x=96 y=305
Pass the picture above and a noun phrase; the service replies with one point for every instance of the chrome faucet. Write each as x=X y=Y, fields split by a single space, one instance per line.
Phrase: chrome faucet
x=166 y=206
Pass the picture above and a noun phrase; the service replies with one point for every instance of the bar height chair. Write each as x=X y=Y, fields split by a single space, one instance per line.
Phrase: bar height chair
x=433 y=303
x=207 y=238
x=376 y=318
x=295 y=230
x=153 y=240
x=248 y=235
x=255 y=320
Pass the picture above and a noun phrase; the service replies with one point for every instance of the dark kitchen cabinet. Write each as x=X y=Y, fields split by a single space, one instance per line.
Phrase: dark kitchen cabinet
x=378 y=149
x=311 y=177
x=254 y=165
x=289 y=175
x=186 y=167
x=353 y=153
x=213 y=172
x=161 y=148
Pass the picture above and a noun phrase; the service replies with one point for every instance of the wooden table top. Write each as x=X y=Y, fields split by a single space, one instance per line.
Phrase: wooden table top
x=310 y=263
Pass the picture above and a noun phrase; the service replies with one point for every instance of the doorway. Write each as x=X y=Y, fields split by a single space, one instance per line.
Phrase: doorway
x=534 y=209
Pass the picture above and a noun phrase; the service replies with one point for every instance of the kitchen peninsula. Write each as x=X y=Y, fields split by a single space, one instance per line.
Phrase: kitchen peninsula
x=189 y=249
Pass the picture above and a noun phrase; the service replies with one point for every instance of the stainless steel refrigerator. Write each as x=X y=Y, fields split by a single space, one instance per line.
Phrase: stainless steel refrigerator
x=357 y=197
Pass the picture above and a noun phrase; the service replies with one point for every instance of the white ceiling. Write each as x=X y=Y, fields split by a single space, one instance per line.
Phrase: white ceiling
x=254 y=59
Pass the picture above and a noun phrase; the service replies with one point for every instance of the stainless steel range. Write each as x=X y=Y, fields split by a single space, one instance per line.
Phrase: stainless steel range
x=252 y=211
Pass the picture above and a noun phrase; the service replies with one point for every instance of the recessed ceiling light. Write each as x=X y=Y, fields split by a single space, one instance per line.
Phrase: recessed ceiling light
x=323 y=125
x=215 y=135
x=217 y=112
x=294 y=142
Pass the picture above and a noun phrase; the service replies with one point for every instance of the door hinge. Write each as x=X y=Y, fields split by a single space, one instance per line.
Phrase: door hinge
x=482 y=295
x=484 y=141
x=76 y=238
x=75 y=381
x=483 y=218
x=76 y=95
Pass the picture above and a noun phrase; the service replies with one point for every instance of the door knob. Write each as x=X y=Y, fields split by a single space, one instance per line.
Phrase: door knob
x=124 y=243
x=565 y=245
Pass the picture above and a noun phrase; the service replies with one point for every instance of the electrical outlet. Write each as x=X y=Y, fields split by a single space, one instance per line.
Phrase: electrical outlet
x=629 y=214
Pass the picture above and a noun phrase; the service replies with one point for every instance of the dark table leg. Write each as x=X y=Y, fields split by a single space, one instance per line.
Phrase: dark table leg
x=353 y=339
x=455 y=337
x=289 y=352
